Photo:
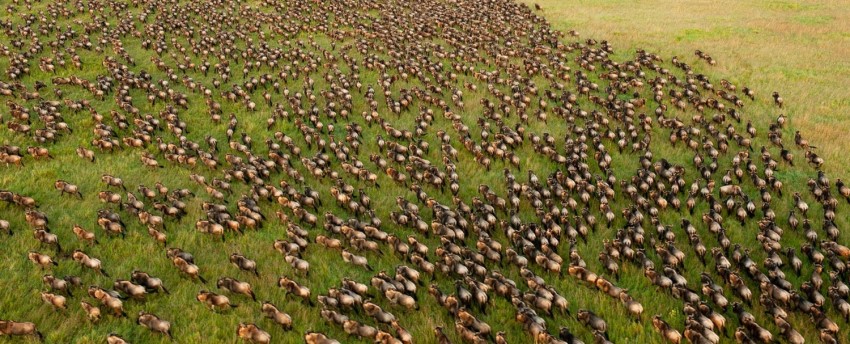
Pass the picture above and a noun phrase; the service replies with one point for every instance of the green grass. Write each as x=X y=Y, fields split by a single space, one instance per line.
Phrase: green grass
x=797 y=48
x=756 y=53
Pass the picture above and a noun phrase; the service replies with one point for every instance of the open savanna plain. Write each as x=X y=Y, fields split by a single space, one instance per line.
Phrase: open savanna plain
x=492 y=172
x=797 y=48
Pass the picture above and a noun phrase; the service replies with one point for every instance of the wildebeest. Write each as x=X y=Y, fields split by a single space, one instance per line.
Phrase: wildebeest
x=92 y=311
x=544 y=100
x=86 y=261
x=108 y=299
x=244 y=263
x=65 y=187
x=152 y=284
x=187 y=268
x=252 y=334
x=14 y=328
x=57 y=301
x=235 y=286
x=280 y=318
x=42 y=260
x=312 y=337
x=668 y=332
x=130 y=289
x=85 y=235
x=214 y=301
x=154 y=323
x=113 y=338
x=295 y=288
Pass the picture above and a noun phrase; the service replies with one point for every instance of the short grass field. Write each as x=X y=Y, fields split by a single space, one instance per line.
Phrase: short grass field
x=798 y=49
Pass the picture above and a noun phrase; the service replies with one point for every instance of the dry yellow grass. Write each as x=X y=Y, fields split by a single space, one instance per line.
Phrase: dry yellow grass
x=799 y=49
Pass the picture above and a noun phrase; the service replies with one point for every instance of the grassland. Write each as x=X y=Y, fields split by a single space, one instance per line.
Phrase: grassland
x=797 y=50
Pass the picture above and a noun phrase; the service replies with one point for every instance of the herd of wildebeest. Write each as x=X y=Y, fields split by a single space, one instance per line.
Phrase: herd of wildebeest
x=391 y=100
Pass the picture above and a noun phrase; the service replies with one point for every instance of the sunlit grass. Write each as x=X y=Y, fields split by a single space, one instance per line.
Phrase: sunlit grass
x=796 y=49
